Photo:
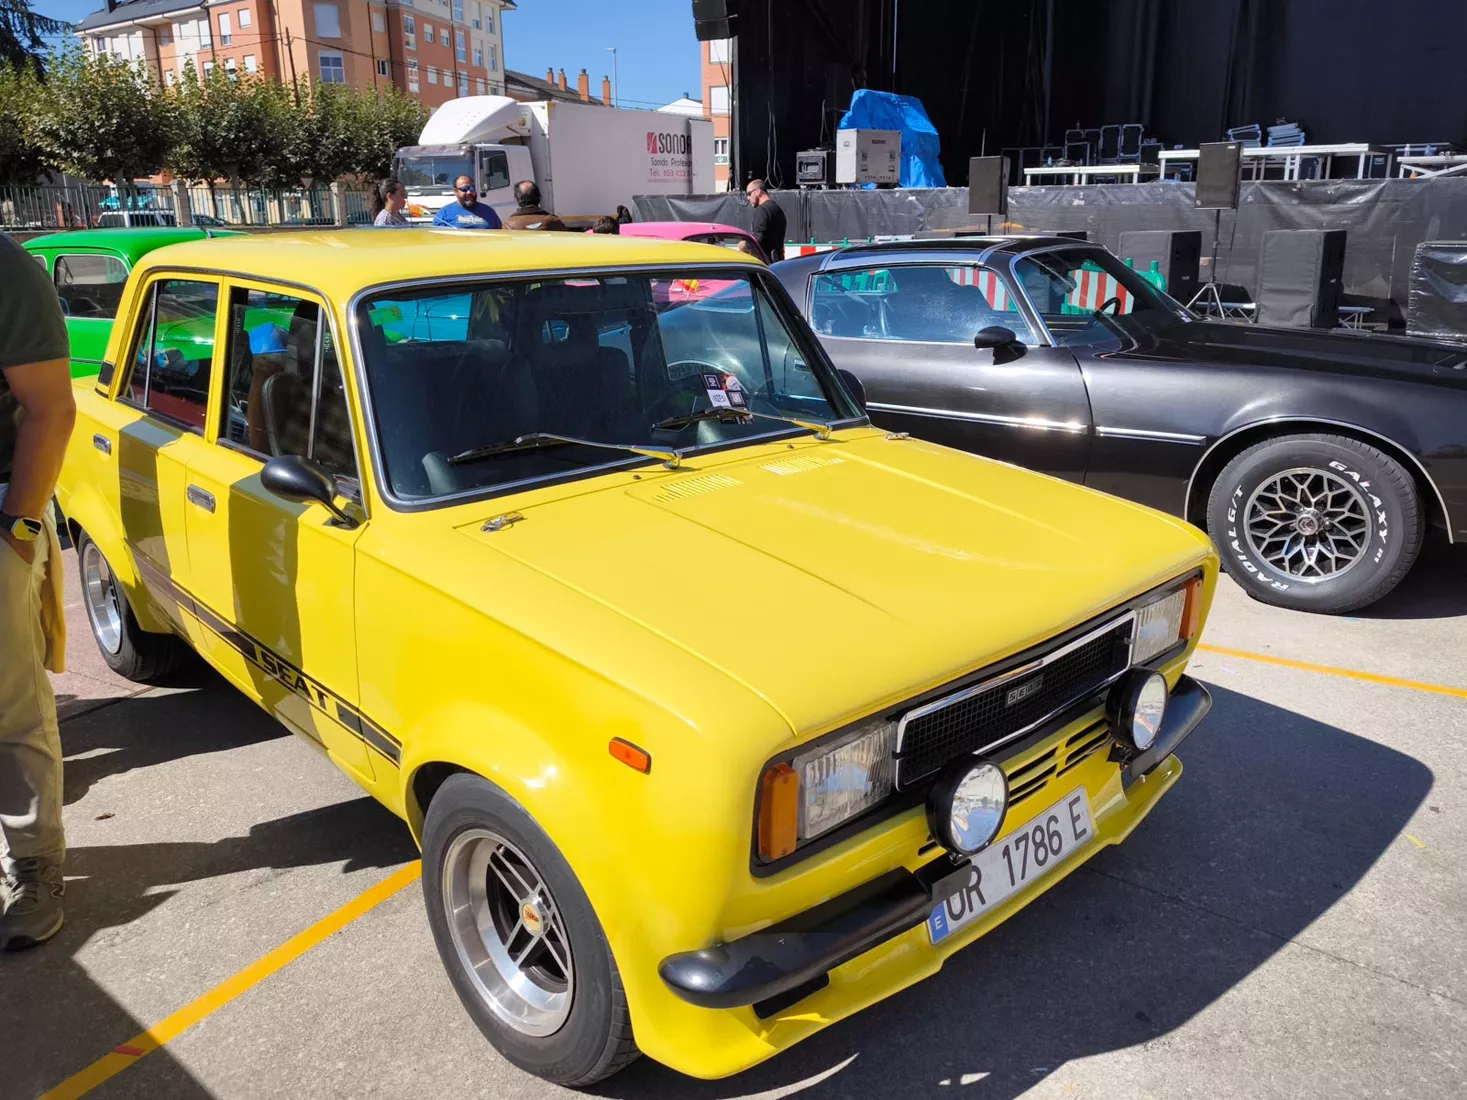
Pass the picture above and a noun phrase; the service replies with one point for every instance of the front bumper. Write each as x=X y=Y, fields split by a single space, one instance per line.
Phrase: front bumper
x=778 y=965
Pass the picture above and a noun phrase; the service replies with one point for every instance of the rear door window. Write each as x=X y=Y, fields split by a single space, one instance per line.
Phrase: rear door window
x=90 y=285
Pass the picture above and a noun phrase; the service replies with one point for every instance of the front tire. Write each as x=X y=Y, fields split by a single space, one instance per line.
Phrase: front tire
x=1321 y=523
x=519 y=939
x=129 y=650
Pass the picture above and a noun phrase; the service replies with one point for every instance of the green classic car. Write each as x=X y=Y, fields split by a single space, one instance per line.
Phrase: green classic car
x=89 y=268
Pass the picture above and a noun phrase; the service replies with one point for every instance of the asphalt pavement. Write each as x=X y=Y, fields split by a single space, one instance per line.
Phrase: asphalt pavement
x=1290 y=921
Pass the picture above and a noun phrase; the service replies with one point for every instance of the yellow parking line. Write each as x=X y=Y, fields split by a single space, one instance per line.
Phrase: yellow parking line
x=171 y=1027
x=1330 y=670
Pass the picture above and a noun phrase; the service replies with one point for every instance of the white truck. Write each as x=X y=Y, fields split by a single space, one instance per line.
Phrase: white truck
x=587 y=159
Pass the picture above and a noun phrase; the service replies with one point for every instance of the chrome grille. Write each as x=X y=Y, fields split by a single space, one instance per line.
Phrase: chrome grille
x=1004 y=707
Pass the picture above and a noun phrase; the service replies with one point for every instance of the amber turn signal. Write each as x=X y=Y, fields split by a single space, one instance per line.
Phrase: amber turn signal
x=637 y=759
x=779 y=812
x=1192 y=609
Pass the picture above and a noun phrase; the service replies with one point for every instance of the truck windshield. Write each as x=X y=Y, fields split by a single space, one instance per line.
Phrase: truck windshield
x=626 y=359
x=433 y=173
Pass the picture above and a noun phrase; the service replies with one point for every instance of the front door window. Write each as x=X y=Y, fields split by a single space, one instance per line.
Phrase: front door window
x=922 y=303
x=174 y=352
x=90 y=285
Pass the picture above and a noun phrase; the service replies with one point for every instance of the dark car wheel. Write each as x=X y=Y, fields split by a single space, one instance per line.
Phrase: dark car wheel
x=1319 y=523
x=129 y=650
x=519 y=939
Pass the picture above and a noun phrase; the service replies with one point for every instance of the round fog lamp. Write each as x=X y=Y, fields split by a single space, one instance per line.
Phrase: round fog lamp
x=1137 y=706
x=967 y=805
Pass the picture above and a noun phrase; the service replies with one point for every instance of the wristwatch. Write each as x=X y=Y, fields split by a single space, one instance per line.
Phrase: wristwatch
x=19 y=527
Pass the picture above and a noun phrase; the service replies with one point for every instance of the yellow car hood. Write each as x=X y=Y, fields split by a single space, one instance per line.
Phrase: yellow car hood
x=831 y=578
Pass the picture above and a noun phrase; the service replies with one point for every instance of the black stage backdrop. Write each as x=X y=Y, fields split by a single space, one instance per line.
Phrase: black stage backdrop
x=995 y=74
x=1384 y=220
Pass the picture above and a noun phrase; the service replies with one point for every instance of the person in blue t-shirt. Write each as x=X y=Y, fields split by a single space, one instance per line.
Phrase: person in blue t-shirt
x=468 y=212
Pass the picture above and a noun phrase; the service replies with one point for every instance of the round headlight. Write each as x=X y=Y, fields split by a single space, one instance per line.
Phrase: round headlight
x=967 y=805
x=1137 y=706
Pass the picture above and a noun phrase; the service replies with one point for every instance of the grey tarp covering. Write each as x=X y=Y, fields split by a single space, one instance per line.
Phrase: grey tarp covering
x=1384 y=219
x=1438 y=295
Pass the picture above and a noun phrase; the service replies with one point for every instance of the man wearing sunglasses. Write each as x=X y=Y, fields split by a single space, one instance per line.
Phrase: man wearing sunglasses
x=467 y=212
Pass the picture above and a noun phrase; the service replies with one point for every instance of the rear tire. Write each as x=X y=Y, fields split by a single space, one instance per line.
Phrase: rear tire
x=550 y=1000
x=1321 y=523
x=129 y=650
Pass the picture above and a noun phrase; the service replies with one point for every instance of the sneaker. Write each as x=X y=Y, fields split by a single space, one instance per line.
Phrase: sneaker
x=31 y=910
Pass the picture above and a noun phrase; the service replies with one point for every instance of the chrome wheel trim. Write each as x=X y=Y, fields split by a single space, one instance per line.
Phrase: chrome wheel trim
x=1309 y=524
x=508 y=933
x=104 y=606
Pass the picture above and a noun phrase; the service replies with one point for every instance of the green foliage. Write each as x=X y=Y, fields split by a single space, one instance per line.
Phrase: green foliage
x=102 y=119
x=21 y=36
x=21 y=160
x=226 y=128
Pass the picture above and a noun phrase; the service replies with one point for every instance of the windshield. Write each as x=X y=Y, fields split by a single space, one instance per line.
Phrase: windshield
x=1086 y=295
x=432 y=173
x=598 y=357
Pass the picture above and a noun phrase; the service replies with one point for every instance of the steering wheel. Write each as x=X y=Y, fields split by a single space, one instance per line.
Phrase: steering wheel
x=1105 y=305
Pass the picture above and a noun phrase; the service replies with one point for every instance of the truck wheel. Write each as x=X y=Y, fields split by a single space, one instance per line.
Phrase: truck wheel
x=519 y=939
x=1319 y=523
x=129 y=650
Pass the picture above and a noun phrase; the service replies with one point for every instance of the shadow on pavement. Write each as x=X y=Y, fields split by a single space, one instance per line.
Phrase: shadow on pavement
x=65 y=1020
x=1276 y=818
x=1436 y=587
x=97 y=744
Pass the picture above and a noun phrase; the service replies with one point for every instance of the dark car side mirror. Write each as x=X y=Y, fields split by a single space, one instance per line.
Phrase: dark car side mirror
x=301 y=481
x=994 y=336
x=853 y=387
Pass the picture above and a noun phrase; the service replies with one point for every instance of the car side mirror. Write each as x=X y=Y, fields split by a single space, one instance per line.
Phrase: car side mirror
x=994 y=336
x=853 y=387
x=301 y=481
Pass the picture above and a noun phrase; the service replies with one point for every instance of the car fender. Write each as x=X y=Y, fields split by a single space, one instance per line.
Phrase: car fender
x=86 y=509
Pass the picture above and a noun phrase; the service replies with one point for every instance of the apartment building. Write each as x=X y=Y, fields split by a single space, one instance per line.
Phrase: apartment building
x=434 y=50
x=718 y=103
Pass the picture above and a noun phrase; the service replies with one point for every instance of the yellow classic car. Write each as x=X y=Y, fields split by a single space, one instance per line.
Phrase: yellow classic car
x=718 y=713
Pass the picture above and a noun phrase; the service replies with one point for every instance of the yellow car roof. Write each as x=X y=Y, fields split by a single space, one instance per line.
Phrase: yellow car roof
x=340 y=262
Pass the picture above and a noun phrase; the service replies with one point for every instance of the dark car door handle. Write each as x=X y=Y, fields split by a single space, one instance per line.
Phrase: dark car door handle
x=102 y=443
x=201 y=497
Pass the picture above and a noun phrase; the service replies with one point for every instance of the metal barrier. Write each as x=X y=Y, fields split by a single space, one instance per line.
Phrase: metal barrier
x=39 y=207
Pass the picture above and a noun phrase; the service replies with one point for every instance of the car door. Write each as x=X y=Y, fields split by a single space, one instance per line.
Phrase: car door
x=156 y=426
x=89 y=285
x=906 y=331
x=273 y=580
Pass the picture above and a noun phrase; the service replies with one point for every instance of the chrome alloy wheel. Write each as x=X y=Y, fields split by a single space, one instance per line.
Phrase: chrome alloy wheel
x=508 y=932
x=1308 y=524
x=104 y=608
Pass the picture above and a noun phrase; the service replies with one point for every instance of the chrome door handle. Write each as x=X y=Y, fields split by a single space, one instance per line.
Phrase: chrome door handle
x=201 y=497
x=102 y=443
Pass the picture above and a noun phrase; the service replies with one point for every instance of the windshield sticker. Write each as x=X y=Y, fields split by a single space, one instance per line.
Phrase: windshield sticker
x=735 y=391
x=385 y=315
x=717 y=396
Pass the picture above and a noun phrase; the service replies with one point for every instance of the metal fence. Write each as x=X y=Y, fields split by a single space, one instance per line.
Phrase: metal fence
x=91 y=206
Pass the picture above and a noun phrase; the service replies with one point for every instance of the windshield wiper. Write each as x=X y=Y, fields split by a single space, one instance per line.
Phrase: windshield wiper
x=535 y=440
x=672 y=423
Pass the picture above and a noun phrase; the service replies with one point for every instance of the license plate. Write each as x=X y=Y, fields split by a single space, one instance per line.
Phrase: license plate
x=1028 y=853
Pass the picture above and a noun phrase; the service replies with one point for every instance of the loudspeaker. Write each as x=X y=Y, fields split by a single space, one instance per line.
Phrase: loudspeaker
x=1300 y=276
x=1219 y=172
x=713 y=19
x=988 y=185
x=1178 y=254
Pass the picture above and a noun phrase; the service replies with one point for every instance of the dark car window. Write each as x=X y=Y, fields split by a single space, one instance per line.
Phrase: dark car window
x=1083 y=295
x=90 y=285
x=174 y=351
x=925 y=303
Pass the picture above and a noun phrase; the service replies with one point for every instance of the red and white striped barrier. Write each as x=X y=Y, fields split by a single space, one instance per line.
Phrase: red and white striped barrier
x=1094 y=288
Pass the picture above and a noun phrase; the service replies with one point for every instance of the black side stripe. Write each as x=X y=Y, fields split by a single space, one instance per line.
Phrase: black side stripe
x=325 y=700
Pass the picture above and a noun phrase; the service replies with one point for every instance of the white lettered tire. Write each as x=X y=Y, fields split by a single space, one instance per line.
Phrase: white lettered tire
x=1321 y=523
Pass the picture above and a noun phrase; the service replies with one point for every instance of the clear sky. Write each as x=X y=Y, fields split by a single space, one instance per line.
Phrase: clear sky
x=656 y=56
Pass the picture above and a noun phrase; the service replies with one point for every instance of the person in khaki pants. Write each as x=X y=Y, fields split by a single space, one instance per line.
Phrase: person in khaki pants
x=36 y=414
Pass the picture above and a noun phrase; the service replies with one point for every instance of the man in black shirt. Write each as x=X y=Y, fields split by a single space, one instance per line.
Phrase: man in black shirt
x=36 y=415
x=769 y=224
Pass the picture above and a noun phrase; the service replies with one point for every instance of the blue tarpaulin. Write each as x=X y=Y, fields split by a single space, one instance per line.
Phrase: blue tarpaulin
x=872 y=110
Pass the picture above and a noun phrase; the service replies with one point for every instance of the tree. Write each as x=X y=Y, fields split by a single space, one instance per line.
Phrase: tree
x=102 y=119
x=225 y=128
x=21 y=161
x=21 y=35
x=393 y=120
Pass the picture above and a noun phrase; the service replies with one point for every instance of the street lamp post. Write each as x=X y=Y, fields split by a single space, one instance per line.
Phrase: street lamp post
x=614 y=100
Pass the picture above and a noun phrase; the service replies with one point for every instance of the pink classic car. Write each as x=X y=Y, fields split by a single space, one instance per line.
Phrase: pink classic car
x=728 y=236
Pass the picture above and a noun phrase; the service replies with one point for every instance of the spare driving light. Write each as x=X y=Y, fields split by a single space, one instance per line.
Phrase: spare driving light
x=845 y=777
x=1158 y=626
x=966 y=806
x=1136 y=708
